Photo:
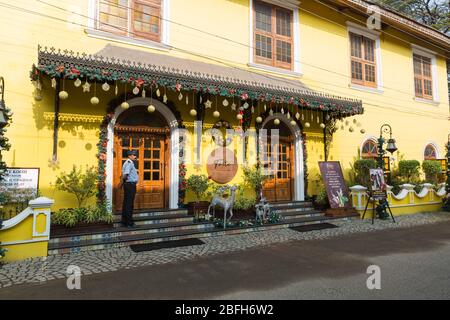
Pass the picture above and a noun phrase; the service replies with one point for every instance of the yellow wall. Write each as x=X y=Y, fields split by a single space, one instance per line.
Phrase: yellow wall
x=324 y=43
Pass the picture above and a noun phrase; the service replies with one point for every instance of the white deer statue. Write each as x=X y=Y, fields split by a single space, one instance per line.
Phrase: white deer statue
x=225 y=203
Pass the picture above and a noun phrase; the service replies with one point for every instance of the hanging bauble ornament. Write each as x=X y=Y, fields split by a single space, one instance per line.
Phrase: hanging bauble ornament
x=144 y=93
x=297 y=115
x=318 y=121
x=216 y=114
x=158 y=93
x=86 y=87
x=37 y=95
x=239 y=116
x=165 y=98
x=282 y=110
x=346 y=122
x=151 y=108
x=125 y=105
x=288 y=115
x=307 y=125
x=327 y=117
x=276 y=121
x=322 y=125
x=246 y=105
x=225 y=103
x=53 y=83
x=293 y=123
x=187 y=100
x=342 y=127
x=271 y=112
x=105 y=86
x=354 y=121
x=180 y=96
x=259 y=119
x=363 y=131
x=136 y=91
x=303 y=117
x=77 y=83
x=116 y=90
x=265 y=107
x=351 y=129
x=94 y=100
x=201 y=98
x=233 y=106
x=63 y=95
x=253 y=109
x=208 y=104
x=193 y=112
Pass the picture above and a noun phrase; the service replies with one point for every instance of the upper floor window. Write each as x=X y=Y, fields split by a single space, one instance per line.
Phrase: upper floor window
x=273 y=35
x=423 y=78
x=134 y=18
x=369 y=150
x=363 y=60
x=430 y=152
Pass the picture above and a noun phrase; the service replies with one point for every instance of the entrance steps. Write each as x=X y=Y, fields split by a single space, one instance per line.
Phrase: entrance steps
x=164 y=225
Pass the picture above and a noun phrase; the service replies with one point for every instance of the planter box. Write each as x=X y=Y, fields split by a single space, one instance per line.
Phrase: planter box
x=58 y=230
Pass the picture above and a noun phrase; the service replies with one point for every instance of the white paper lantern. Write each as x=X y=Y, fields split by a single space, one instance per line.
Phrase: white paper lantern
x=322 y=125
x=151 y=108
x=307 y=125
x=259 y=119
x=63 y=95
x=293 y=123
x=94 y=100
x=276 y=121
x=193 y=112
x=125 y=105
x=216 y=114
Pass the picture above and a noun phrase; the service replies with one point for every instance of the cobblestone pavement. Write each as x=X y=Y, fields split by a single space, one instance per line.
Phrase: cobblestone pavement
x=40 y=270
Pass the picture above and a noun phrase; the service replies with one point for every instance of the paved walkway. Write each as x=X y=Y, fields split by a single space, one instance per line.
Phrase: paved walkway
x=94 y=262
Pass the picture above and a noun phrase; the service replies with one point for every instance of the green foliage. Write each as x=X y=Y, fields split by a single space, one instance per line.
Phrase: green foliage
x=409 y=171
x=274 y=217
x=198 y=183
x=81 y=184
x=254 y=178
x=432 y=170
x=69 y=217
x=361 y=171
x=322 y=196
x=244 y=203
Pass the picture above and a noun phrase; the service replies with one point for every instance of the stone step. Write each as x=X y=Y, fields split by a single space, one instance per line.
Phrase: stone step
x=301 y=214
x=99 y=244
x=292 y=204
x=282 y=210
x=142 y=220
x=117 y=233
x=155 y=213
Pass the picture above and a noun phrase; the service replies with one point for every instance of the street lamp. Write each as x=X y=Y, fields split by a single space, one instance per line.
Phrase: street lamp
x=3 y=119
x=391 y=147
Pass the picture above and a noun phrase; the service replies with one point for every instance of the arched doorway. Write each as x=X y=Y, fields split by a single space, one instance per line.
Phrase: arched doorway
x=280 y=185
x=148 y=134
x=160 y=125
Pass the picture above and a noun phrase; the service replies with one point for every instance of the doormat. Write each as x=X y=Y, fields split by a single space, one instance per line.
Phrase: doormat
x=312 y=227
x=166 y=244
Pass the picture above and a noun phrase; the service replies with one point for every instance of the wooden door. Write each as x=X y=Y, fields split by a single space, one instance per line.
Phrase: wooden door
x=279 y=186
x=151 y=165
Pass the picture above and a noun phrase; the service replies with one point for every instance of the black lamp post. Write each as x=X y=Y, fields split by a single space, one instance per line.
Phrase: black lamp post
x=391 y=147
x=447 y=186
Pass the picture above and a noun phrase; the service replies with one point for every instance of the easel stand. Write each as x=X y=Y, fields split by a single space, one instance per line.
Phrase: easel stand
x=380 y=201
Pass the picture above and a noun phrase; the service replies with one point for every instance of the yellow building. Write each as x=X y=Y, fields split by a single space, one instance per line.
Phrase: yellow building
x=308 y=65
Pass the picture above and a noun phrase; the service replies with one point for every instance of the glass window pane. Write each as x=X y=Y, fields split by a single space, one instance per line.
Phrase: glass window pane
x=125 y=142
x=283 y=23
x=370 y=73
x=147 y=154
x=147 y=165
x=355 y=41
x=147 y=143
x=283 y=51
x=155 y=176
x=418 y=86
x=156 y=154
x=156 y=144
x=155 y=165
x=357 y=70
x=147 y=176
x=369 y=50
x=263 y=17
x=263 y=46
x=124 y=153
x=135 y=142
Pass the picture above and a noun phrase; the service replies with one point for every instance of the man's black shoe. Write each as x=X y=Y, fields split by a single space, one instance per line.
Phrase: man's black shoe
x=123 y=224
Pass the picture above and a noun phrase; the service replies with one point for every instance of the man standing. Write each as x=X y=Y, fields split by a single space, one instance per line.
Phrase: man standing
x=129 y=180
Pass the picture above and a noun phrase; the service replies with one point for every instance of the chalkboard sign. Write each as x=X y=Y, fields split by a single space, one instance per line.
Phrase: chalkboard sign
x=333 y=179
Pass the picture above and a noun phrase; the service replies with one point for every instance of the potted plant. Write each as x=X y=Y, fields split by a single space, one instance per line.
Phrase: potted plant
x=254 y=178
x=198 y=184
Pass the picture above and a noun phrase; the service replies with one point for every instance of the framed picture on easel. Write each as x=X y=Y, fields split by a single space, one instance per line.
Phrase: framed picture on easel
x=378 y=187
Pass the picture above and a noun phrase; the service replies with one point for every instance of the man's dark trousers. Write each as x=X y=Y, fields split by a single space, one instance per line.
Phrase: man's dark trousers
x=129 y=189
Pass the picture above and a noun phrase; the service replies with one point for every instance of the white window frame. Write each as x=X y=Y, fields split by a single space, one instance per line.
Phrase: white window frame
x=94 y=32
x=373 y=35
x=367 y=138
x=292 y=5
x=432 y=55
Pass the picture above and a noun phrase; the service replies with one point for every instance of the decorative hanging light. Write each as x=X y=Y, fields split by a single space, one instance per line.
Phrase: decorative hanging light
x=258 y=119
x=77 y=83
x=105 y=86
x=124 y=105
x=216 y=114
x=193 y=112
x=363 y=131
x=151 y=108
x=94 y=99
x=63 y=95
x=293 y=123
x=276 y=121
x=136 y=90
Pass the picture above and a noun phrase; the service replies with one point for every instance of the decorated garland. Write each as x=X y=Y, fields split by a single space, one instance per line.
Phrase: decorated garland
x=140 y=79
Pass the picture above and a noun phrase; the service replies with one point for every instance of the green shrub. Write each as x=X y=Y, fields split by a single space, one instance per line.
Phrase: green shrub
x=432 y=170
x=408 y=171
x=254 y=178
x=83 y=185
x=69 y=217
x=361 y=171
x=244 y=203
x=198 y=183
